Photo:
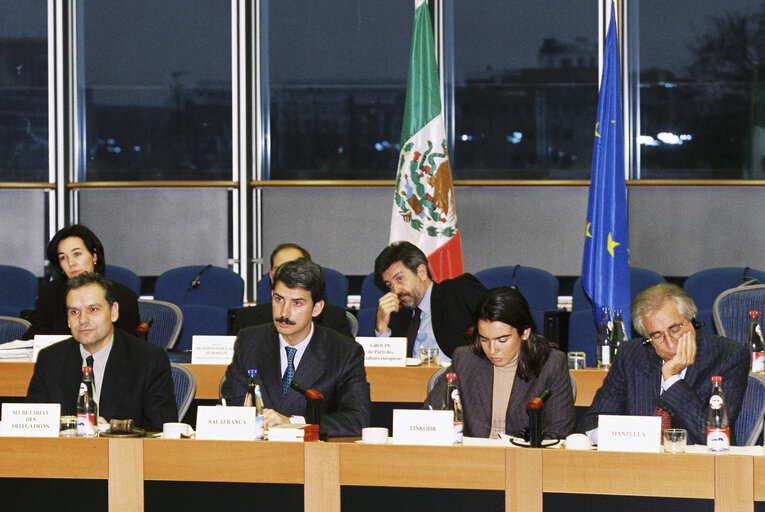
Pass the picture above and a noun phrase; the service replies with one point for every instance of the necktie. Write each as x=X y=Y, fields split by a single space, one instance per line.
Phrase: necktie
x=290 y=371
x=411 y=332
x=666 y=419
x=89 y=362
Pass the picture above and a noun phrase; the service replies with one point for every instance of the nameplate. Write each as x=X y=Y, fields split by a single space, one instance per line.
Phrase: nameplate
x=412 y=426
x=383 y=351
x=629 y=433
x=212 y=349
x=45 y=340
x=30 y=420
x=227 y=423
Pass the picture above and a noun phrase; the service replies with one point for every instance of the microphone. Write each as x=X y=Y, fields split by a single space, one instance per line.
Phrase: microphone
x=306 y=392
x=313 y=403
x=194 y=283
x=143 y=328
x=538 y=402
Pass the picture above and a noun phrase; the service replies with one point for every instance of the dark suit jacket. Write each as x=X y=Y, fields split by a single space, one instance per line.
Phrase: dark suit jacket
x=632 y=386
x=332 y=364
x=49 y=315
x=137 y=382
x=452 y=303
x=475 y=380
x=332 y=317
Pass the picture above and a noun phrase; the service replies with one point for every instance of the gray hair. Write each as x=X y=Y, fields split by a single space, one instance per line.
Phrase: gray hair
x=652 y=299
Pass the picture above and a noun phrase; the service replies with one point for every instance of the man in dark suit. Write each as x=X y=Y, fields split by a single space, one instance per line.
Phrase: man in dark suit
x=668 y=372
x=331 y=316
x=445 y=309
x=294 y=347
x=132 y=376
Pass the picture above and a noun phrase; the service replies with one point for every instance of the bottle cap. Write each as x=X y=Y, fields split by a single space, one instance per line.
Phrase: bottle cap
x=252 y=373
x=451 y=376
x=716 y=379
x=754 y=314
x=87 y=369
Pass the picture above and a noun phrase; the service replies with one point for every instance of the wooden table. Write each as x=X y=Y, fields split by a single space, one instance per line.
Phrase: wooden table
x=734 y=482
x=387 y=384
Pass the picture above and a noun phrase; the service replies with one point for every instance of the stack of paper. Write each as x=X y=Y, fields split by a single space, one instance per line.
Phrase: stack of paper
x=19 y=350
x=294 y=432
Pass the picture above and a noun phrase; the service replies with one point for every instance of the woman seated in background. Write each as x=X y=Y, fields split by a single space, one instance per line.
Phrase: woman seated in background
x=506 y=364
x=72 y=251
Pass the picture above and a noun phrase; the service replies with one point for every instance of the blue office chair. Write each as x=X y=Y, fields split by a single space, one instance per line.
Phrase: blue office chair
x=731 y=310
x=706 y=285
x=18 y=290
x=337 y=288
x=540 y=287
x=12 y=328
x=583 y=334
x=207 y=285
x=366 y=318
x=184 y=388
x=167 y=321
x=640 y=279
x=124 y=276
x=353 y=324
x=748 y=426
x=370 y=292
x=202 y=320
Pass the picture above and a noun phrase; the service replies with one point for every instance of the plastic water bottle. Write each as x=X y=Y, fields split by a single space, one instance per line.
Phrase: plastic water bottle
x=87 y=407
x=718 y=432
x=254 y=398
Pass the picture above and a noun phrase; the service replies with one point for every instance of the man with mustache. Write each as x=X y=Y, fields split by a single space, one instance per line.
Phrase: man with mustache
x=427 y=313
x=294 y=347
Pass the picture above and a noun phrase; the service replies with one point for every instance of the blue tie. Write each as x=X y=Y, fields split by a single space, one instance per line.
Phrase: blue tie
x=290 y=372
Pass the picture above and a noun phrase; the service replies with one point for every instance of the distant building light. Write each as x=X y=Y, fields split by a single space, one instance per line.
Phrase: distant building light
x=668 y=138
x=515 y=138
x=647 y=140
x=466 y=138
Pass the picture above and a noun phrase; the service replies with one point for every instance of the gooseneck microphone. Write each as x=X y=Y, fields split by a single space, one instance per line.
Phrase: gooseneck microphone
x=539 y=401
x=306 y=392
x=194 y=283
x=313 y=403
x=534 y=410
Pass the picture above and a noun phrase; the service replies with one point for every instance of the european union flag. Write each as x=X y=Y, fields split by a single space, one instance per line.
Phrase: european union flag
x=605 y=266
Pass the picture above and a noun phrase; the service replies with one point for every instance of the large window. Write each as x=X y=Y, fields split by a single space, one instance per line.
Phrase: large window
x=336 y=75
x=156 y=88
x=23 y=91
x=525 y=95
x=700 y=89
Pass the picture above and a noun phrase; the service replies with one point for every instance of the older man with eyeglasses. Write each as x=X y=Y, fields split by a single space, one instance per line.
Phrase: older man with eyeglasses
x=668 y=371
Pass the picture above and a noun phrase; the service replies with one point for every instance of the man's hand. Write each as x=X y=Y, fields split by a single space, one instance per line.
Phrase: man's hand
x=684 y=355
x=387 y=304
x=271 y=418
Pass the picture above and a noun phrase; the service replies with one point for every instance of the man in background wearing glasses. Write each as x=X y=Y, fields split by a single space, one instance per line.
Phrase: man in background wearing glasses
x=668 y=371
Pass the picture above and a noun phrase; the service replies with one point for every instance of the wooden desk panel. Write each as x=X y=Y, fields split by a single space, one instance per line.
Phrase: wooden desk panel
x=54 y=457
x=14 y=378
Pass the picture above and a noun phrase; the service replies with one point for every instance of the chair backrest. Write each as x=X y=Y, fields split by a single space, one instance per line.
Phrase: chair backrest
x=731 y=310
x=748 y=426
x=353 y=324
x=583 y=335
x=370 y=292
x=184 y=388
x=167 y=321
x=202 y=320
x=18 y=289
x=201 y=284
x=640 y=279
x=337 y=288
x=540 y=287
x=12 y=328
x=366 y=318
x=434 y=378
x=706 y=285
x=124 y=276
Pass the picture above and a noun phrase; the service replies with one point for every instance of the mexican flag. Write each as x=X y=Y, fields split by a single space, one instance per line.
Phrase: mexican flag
x=423 y=205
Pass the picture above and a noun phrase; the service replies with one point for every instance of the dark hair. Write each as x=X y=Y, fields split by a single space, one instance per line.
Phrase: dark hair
x=405 y=252
x=92 y=244
x=87 y=278
x=305 y=274
x=288 y=245
x=509 y=306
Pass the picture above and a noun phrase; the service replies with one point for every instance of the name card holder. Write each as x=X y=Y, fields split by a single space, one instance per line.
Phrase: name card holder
x=30 y=420
x=212 y=349
x=228 y=423
x=629 y=433
x=423 y=427
x=383 y=351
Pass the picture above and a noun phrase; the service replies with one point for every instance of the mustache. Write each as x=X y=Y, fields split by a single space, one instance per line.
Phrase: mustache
x=284 y=320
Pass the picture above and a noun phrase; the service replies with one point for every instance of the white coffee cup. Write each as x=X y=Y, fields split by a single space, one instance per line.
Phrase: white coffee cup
x=374 y=435
x=175 y=430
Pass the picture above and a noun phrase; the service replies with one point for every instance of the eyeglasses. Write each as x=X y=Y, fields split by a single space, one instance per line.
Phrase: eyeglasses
x=674 y=332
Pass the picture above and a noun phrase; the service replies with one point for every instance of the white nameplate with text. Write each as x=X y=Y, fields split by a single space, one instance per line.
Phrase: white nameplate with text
x=226 y=423
x=629 y=433
x=30 y=420
x=425 y=427
x=45 y=340
x=383 y=351
x=212 y=349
